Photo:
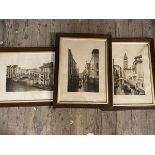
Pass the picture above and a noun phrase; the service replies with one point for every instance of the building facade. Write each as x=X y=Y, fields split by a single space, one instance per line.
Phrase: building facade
x=12 y=71
x=94 y=65
x=94 y=70
x=90 y=75
x=86 y=72
x=73 y=73
x=46 y=76
x=138 y=67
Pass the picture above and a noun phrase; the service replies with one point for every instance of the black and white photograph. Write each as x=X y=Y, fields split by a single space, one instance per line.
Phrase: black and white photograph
x=131 y=72
x=27 y=76
x=83 y=70
x=129 y=75
x=83 y=73
x=34 y=78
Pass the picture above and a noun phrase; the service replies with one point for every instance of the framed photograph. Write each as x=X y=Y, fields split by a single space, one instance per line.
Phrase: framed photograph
x=133 y=72
x=27 y=76
x=83 y=74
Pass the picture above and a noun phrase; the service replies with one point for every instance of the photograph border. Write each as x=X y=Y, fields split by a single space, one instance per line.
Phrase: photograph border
x=23 y=103
x=109 y=71
x=152 y=63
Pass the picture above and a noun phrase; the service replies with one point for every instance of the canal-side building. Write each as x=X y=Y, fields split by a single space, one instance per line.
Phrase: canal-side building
x=94 y=66
x=134 y=74
x=73 y=73
x=33 y=74
x=138 y=67
x=119 y=71
x=46 y=76
x=19 y=72
x=91 y=71
x=86 y=73
x=43 y=76
x=12 y=71
x=118 y=76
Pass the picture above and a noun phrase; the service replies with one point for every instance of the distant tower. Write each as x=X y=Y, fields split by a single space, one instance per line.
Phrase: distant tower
x=125 y=61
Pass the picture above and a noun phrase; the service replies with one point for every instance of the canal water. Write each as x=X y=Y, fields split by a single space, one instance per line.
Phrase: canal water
x=20 y=86
x=87 y=88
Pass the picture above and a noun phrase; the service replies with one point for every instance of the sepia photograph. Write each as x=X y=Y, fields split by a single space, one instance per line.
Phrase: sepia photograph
x=33 y=78
x=129 y=74
x=132 y=73
x=27 y=74
x=83 y=72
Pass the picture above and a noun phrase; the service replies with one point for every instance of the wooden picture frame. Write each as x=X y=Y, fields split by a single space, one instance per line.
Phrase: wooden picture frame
x=25 y=68
x=139 y=77
x=74 y=80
